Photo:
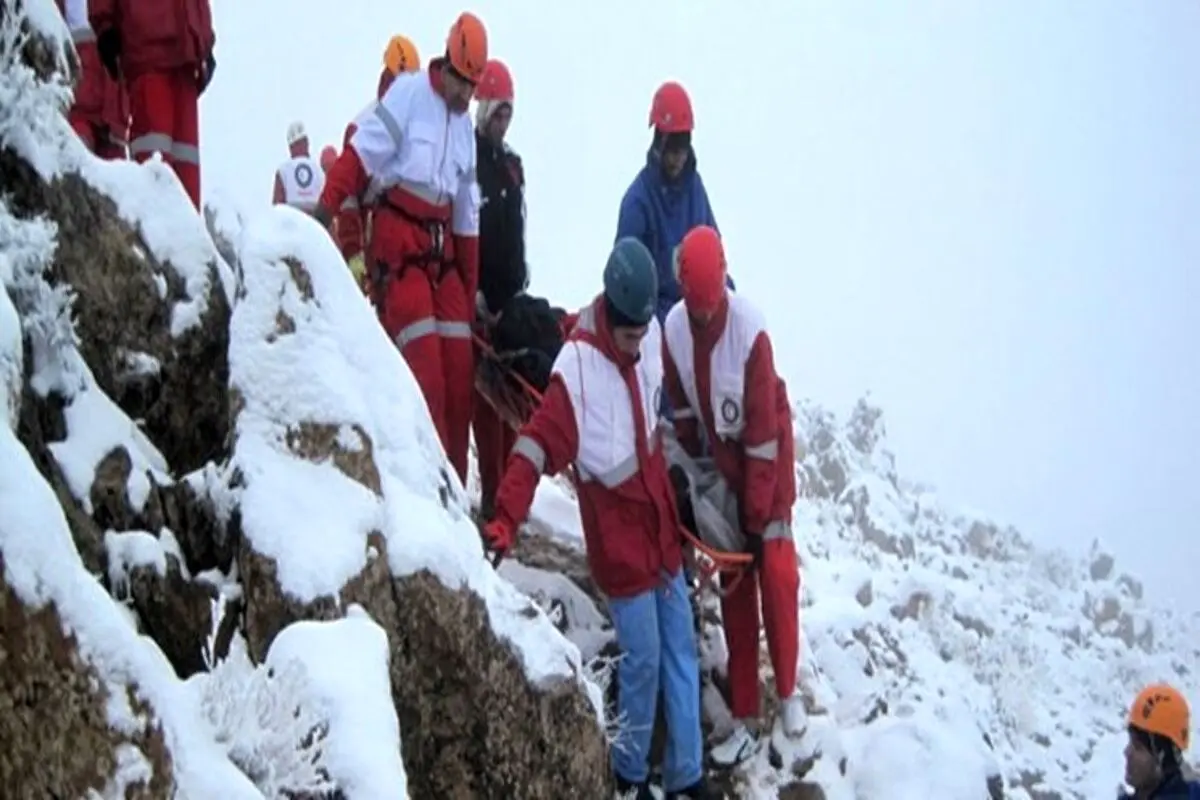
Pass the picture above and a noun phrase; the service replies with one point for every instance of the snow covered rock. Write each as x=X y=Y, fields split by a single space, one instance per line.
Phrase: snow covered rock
x=344 y=496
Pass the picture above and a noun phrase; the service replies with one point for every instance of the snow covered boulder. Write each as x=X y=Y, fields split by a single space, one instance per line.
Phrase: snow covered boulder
x=151 y=295
x=344 y=497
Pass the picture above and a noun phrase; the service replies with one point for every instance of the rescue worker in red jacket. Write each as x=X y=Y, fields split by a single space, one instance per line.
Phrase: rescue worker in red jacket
x=300 y=179
x=727 y=397
x=100 y=113
x=600 y=414
x=163 y=51
x=502 y=270
x=416 y=154
x=353 y=219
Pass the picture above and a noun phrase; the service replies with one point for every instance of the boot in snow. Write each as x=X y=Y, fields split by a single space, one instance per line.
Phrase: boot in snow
x=630 y=790
x=794 y=716
x=739 y=746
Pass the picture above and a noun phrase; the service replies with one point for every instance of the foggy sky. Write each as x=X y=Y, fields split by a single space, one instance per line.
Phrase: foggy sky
x=985 y=214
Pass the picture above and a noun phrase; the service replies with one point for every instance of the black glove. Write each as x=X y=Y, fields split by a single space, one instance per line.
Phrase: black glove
x=754 y=545
x=322 y=215
x=206 y=73
x=108 y=46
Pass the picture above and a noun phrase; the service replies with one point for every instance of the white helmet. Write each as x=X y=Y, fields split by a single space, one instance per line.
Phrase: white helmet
x=295 y=133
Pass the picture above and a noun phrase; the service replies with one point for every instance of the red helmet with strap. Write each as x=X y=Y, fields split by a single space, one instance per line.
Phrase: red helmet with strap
x=671 y=109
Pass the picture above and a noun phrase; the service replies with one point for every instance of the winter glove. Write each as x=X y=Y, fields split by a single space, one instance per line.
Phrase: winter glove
x=108 y=46
x=358 y=268
x=322 y=215
x=206 y=72
x=754 y=546
x=499 y=536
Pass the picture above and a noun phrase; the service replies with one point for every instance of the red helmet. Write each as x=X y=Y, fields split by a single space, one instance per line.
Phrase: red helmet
x=328 y=156
x=700 y=269
x=671 y=109
x=496 y=83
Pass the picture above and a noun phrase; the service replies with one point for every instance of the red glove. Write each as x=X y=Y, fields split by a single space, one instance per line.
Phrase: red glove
x=499 y=536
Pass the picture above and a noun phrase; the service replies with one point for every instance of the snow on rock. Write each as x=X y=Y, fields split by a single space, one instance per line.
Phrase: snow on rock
x=345 y=496
x=943 y=654
x=346 y=665
x=149 y=294
x=91 y=704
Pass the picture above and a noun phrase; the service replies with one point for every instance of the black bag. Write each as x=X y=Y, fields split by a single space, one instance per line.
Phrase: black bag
x=528 y=337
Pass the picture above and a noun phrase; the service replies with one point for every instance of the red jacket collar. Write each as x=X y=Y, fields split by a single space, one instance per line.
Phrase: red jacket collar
x=598 y=332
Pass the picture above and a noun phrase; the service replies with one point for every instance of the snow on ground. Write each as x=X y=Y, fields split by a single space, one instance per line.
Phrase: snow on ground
x=346 y=663
x=306 y=348
x=954 y=624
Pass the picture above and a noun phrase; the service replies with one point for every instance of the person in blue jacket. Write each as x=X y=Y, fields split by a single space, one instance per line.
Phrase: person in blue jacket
x=667 y=198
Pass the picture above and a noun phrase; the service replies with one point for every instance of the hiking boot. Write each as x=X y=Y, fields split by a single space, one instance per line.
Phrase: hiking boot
x=632 y=790
x=699 y=790
x=737 y=747
x=794 y=716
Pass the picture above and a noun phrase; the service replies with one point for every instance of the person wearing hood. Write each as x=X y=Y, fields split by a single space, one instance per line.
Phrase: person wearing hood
x=731 y=406
x=667 y=198
x=600 y=416
x=352 y=221
x=502 y=270
x=412 y=158
x=300 y=179
x=1159 y=727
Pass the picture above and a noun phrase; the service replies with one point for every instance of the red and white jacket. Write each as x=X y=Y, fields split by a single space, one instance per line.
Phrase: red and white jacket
x=298 y=183
x=600 y=413
x=728 y=399
x=414 y=154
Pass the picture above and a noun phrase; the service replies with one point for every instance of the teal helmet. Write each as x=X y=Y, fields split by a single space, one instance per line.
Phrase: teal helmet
x=631 y=282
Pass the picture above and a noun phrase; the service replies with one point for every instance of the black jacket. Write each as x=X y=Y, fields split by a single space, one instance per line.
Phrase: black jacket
x=502 y=271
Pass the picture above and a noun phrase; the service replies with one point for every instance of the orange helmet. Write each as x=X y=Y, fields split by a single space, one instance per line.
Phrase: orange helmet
x=401 y=55
x=1160 y=709
x=467 y=46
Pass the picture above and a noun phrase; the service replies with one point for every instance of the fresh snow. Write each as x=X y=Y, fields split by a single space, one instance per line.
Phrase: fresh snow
x=926 y=627
x=346 y=664
x=95 y=426
x=42 y=566
x=338 y=368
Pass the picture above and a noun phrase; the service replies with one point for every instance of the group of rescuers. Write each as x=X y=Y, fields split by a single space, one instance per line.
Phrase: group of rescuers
x=667 y=367
x=430 y=212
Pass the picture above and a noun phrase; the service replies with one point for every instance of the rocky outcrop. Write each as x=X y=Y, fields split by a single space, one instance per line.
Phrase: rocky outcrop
x=135 y=433
x=55 y=733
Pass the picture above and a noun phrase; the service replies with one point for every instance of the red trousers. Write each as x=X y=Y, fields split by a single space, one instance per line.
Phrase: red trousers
x=778 y=577
x=166 y=120
x=494 y=440
x=427 y=314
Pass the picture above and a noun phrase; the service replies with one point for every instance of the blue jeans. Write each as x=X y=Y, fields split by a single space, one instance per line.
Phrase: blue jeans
x=657 y=639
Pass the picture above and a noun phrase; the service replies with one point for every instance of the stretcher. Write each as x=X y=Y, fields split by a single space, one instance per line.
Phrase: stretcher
x=515 y=399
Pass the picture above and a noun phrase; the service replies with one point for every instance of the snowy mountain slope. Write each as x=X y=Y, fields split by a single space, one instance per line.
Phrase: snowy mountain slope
x=930 y=635
x=197 y=612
